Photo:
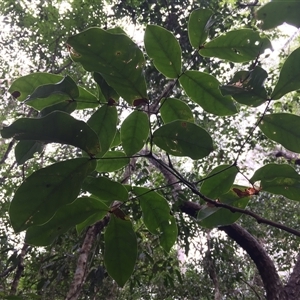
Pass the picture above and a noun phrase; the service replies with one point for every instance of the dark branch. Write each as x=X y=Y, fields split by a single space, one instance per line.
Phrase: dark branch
x=260 y=257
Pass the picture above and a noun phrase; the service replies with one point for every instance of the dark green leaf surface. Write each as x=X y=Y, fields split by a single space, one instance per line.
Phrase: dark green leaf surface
x=25 y=85
x=174 y=109
x=106 y=92
x=240 y=45
x=210 y=217
x=90 y=221
x=277 y=12
x=65 y=218
x=247 y=87
x=57 y=127
x=120 y=249
x=67 y=106
x=157 y=217
x=112 y=161
x=46 y=190
x=86 y=99
x=115 y=56
x=25 y=150
x=204 y=90
x=289 y=78
x=279 y=179
x=282 y=128
x=199 y=23
x=134 y=132
x=66 y=87
x=104 y=123
x=105 y=189
x=181 y=138
x=162 y=46
x=219 y=184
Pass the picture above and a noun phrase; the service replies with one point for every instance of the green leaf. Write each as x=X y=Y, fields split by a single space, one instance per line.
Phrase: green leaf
x=162 y=46
x=25 y=85
x=65 y=218
x=204 y=90
x=219 y=184
x=67 y=106
x=90 y=220
x=25 y=150
x=181 y=138
x=277 y=12
x=174 y=109
x=120 y=249
x=282 y=128
x=115 y=56
x=57 y=127
x=117 y=140
x=46 y=190
x=157 y=216
x=66 y=87
x=134 y=132
x=112 y=161
x=279 y=180
x=246 y=87
x=106 y=92
x=199 y=23
x=289 y=78
x=86 y=99
x=210 y=217
x=105 y=189
x=240 y=45
x=104 y=123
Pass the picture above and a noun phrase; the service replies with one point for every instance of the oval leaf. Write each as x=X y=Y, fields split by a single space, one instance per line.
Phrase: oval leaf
x=24 y=86
x=65 y=218
x=282 y=128
x=276 y=13
x=181 y=138
x=289 y=78
x=57 y=127
x=66 y=87
x=157 y=217
x=199 y=23
x=105 y=189
x=237 y=46
x=220 y=183
x=162 y=46
x=174 y=109
x=115 y=56
x=46 y=190
x=246 y=87
x=134 y=132
x=104 y=123
x=112 y=161
x=120 y=249
x=210 y=217
x=204 y=90
x=279 y=180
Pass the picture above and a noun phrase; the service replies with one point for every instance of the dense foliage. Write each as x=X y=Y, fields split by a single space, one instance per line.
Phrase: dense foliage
x=137 y=152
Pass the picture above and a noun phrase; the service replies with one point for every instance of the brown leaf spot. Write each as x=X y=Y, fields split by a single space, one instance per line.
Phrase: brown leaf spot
x=16 y=94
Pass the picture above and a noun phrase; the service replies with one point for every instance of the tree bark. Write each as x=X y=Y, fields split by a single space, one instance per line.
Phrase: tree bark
x=292 y=288
x=264 y=264
x=81 y=268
